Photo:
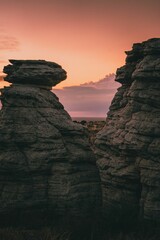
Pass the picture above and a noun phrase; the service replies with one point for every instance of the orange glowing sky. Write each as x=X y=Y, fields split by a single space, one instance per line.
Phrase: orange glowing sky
x=87 y=37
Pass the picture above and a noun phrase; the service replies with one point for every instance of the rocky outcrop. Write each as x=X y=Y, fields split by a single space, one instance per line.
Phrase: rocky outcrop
x=128 y=147
x=46 y=164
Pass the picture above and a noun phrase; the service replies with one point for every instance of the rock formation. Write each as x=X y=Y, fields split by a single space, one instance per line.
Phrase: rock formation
x=128 y=147
x=46 y=164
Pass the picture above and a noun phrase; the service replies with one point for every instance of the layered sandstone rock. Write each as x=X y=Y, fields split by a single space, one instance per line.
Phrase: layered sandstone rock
x=128 y=147
x=38 y=72
x=46 y=164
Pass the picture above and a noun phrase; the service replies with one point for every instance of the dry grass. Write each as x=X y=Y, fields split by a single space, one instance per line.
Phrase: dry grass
x=22 y=234
x=96 y=228
x=51 y=234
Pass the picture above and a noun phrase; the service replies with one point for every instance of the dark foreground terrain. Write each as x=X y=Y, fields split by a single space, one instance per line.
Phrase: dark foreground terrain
x=52 y=233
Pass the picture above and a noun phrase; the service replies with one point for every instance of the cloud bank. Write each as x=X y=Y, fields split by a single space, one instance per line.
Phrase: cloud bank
x=90 y=99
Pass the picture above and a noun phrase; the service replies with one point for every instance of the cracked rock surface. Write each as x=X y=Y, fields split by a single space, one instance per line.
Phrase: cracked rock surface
x=128 y=147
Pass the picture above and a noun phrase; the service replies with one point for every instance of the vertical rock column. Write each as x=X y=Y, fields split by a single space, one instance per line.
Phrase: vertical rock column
x=46 y=164
x=128 y=147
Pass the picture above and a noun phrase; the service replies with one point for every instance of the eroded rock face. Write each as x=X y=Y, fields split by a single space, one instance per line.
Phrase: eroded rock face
x=46 y=164
x=128 y=147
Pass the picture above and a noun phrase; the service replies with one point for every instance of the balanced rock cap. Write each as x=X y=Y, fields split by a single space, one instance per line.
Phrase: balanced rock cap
x=34 y=72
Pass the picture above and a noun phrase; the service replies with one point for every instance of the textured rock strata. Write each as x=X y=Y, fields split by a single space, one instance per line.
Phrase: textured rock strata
x=128 y=147
x=38 y=72
x=46 y=163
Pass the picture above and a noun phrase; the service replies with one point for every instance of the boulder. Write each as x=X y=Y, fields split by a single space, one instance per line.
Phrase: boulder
x=38 y=72
x=128 y=147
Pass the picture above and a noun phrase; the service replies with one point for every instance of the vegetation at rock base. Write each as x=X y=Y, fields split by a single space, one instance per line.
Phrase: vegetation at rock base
x=53 y=234
x=90 y=229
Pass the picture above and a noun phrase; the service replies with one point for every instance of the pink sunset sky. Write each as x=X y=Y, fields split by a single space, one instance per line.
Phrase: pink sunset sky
x=87 y=37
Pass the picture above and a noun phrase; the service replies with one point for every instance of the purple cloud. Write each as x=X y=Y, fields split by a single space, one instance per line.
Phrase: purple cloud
x=90 y=99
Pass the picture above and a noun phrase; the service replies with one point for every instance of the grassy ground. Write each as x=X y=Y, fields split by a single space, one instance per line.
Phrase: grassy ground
x=60 y=234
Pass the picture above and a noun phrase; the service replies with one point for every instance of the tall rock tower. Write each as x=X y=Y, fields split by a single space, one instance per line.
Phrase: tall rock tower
x=128 y=147
x=46 y=164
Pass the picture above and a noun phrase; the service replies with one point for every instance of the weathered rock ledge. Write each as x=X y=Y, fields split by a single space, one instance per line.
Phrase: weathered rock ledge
x=128 y=147
x=34 y=72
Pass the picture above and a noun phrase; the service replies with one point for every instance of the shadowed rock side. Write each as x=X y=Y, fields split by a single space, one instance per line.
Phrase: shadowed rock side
x=128 y=147
x=46 y=164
